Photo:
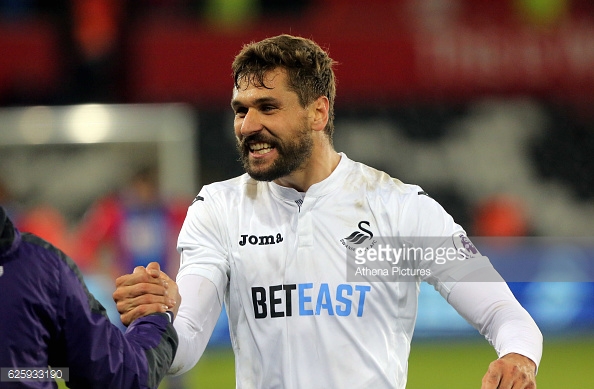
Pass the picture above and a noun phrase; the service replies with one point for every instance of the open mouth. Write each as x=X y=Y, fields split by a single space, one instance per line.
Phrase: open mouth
x=260 y=148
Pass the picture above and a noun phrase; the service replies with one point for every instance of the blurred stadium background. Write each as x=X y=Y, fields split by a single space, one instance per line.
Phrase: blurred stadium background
x=486 y=104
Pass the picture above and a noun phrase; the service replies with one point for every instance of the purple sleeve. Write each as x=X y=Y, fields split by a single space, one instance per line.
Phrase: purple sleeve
x=98 y=354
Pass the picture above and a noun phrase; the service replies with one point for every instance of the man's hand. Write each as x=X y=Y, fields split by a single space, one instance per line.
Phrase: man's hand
x=145 y=291
x=510 y=371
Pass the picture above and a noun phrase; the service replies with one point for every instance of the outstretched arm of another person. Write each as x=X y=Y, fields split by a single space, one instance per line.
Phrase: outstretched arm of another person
x=494 y=311
x=97 y=353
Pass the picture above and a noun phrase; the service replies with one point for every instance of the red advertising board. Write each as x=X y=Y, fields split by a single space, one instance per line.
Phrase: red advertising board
x=455 y=61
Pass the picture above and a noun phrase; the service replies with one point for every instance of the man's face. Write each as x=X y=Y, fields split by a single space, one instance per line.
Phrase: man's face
x=273 y=134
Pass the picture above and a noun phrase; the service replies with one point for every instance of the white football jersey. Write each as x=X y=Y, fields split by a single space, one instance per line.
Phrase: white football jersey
x=278 y=259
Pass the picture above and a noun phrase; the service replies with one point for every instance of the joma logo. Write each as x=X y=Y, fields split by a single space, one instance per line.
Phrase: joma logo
x=261 y=240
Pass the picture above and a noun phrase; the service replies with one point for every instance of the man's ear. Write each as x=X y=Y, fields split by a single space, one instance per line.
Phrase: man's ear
x=319 y=113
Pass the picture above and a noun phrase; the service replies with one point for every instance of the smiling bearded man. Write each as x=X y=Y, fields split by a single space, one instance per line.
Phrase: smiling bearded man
x=272 y=247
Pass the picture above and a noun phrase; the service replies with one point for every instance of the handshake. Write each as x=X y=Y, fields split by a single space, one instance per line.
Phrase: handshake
x=145 y=291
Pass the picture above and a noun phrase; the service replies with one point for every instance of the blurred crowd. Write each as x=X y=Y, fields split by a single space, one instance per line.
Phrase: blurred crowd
x=126 y=227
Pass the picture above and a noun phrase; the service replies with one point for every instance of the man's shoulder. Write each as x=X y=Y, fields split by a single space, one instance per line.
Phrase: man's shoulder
x=237 y=183
x=45 y=254
x=379 y=181
x=227 y=189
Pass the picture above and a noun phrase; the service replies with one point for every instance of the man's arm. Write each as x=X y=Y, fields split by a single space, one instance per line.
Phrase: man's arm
x=97 y=353
x=488 y=305
x=494 y=311
x=142 y=293
x=197 y=317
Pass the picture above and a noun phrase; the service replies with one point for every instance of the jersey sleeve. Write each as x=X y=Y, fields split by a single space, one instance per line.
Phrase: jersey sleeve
x=196 y=319
x=202 y=243
x=202 y=278
x=493 y=310
x=96 y=352
x=471 y=284
x=446 y=253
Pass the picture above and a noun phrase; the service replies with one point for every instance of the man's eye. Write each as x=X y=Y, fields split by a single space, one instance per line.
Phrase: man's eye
x=240 y=112
x=268 y=108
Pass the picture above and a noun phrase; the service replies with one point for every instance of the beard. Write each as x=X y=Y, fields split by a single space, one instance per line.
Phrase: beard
x=292 y=155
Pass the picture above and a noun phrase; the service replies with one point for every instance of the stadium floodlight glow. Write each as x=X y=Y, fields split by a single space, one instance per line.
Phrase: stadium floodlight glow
x=89 y=123
x=36 y=124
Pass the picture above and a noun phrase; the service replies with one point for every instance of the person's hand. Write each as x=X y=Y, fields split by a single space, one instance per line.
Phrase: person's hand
x=510 y=371
x=145 y=291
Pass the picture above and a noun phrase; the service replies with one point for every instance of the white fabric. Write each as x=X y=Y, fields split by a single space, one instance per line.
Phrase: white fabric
x=195 y=321
x=493 y=310
x=278 y=261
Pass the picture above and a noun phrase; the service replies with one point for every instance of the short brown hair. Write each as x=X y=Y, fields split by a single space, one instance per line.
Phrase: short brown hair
x=308 y=66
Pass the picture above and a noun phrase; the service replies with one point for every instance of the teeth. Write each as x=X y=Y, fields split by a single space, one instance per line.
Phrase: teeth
x=261 y=148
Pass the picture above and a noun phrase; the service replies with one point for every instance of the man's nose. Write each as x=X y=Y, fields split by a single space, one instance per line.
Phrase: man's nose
x=251 y=123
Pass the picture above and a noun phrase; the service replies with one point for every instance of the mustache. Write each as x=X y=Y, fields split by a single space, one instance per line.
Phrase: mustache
x=256 y=138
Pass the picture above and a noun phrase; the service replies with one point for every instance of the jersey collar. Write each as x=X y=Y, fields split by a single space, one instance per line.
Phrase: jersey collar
x=334 y=181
